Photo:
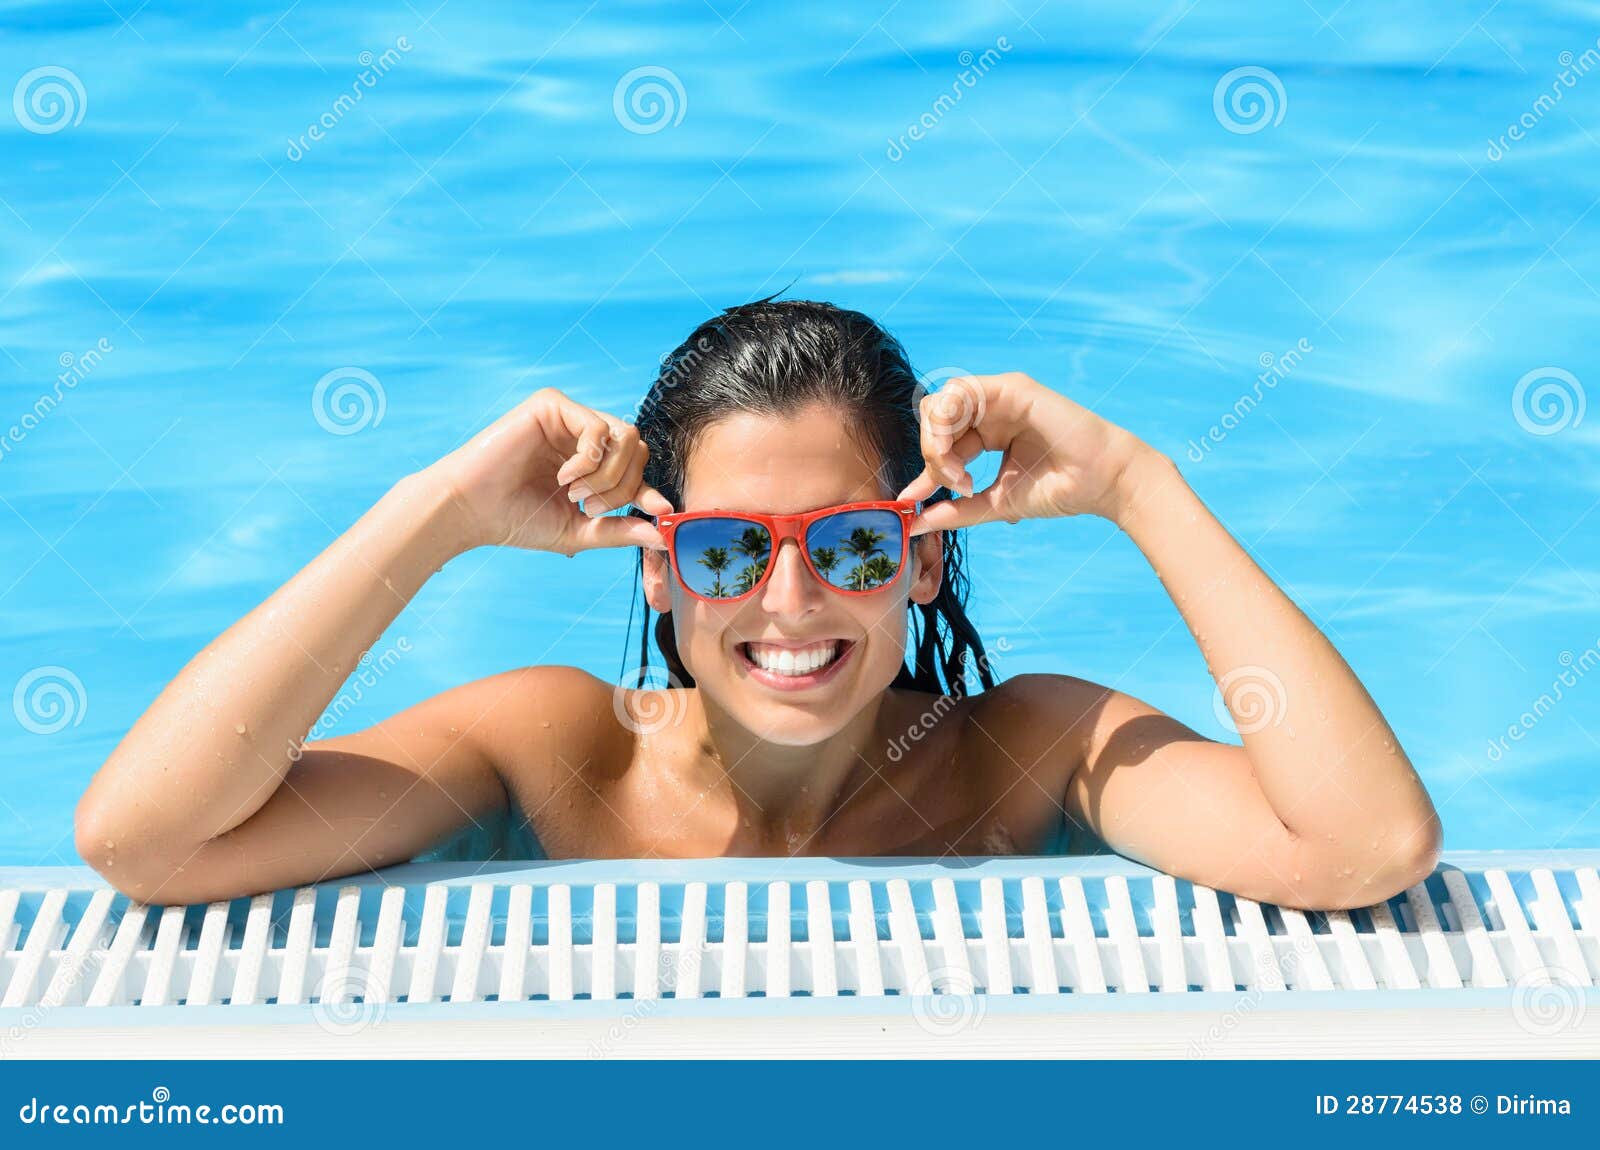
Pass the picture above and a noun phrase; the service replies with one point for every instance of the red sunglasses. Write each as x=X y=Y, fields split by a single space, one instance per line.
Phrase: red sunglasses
x=724 y=556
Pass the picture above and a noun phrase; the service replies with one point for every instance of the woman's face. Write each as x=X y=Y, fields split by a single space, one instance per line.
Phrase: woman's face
x=753 y=462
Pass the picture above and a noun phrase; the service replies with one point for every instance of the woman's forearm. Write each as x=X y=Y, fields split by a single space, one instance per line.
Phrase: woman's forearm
x=217 y=742
x=1324 y=755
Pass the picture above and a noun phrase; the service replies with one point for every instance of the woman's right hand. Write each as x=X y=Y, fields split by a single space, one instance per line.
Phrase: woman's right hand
x=512 y=480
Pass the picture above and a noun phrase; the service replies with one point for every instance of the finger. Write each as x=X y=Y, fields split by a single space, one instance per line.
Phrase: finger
x=951 y=514
x=630 y=460
x=591 y=434
x=590 y=429
x=617 y=531
x=921 y=487
x=622 y=463
x=949 y=432
x=962 y=452
x=649 y=500
x=935 y=443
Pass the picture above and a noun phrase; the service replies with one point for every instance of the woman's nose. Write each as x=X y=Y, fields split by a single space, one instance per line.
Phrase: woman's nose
x=791 y=587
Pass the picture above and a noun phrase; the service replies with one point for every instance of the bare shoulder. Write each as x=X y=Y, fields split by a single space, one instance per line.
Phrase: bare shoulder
x=1042 y=724
x=542 y=725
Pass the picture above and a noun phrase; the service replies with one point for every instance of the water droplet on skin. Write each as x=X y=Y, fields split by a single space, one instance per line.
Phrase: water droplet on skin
x=746 y=822
x=1347 y=872
x=110 y=845
x=454 y=731
x=338 y=668
x=383 y=794
x=1328 y=836
x=1374 y=844
x=546 y=723
x=238 y=728
x=379 y=855
x=1295 y=876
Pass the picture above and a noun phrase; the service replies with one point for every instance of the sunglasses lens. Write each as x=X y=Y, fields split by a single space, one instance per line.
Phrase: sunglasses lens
x=722 y=558
x=857 y=550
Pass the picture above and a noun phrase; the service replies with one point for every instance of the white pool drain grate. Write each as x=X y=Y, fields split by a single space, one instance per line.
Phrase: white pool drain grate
x=458 y=933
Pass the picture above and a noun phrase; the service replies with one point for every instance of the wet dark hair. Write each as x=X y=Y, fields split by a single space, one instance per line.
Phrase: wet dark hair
x=776 y=357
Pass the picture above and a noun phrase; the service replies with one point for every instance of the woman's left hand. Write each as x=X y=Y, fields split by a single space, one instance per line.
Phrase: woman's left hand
x=1059 y=458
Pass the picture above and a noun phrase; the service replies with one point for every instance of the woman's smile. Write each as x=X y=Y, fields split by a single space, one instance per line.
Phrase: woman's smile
x=788 y=666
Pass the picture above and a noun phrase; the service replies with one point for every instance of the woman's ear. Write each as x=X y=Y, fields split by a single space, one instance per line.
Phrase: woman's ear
x=657 y=571
x=927 y=552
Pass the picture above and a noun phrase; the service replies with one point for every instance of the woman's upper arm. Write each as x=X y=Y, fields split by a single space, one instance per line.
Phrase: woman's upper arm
x=1157 y=792
x=368 y=799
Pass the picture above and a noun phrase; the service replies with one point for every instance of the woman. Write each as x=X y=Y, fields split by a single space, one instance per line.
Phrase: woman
x=791 y=723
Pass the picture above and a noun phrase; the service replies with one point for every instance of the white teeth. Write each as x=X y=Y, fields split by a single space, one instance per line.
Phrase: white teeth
x=783 y=661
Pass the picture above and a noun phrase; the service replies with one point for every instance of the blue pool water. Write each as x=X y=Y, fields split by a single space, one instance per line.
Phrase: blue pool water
x=1407 y=208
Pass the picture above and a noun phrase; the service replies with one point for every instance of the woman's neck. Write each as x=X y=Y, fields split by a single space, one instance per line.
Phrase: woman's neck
x=794 y=789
